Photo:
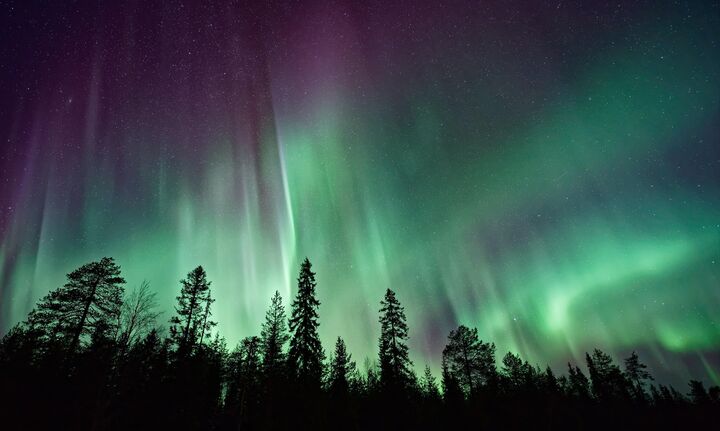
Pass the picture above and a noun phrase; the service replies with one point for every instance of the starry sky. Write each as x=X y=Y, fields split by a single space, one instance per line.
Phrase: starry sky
x=548 y=173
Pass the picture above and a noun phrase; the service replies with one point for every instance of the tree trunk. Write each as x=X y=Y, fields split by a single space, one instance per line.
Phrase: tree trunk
x=468 y=374
x=76 y=338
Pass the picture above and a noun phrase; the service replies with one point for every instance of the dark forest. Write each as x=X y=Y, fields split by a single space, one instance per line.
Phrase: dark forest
x=91 y=356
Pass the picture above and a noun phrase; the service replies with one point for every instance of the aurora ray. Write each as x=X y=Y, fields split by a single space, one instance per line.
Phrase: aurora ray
x=549 y=174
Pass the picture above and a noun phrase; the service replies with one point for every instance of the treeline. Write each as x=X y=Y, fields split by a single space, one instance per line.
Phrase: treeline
x=91 y=356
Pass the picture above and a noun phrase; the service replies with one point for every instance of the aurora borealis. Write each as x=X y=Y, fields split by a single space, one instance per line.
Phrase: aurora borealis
x=548 y=173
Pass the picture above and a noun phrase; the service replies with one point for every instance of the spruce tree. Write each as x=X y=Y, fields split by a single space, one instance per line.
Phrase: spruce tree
x=305 y=356
x=90 y=300
x=550 y=382
x=395 y=365
x=429 y=386
x=273 y=336
x=341 y=368
x=193 y=312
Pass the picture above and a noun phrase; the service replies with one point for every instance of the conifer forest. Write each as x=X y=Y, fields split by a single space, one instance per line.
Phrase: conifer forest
x=92 y=356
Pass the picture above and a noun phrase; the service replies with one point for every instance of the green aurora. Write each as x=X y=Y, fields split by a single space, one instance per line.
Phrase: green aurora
x=556 y=202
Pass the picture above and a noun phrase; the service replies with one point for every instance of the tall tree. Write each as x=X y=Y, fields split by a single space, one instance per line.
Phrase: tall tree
x=305 y=356
x=91 y=298
x=470 y=361
x=207 y=324
x=273 y=336
x=395 y=365
x=193 y=312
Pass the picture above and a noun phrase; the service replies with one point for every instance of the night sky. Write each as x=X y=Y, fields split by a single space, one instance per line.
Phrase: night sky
x=547 y=173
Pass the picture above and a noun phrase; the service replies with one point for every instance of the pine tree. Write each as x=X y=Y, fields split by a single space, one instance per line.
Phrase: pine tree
x=193 y=312
x=273 y=338
x=395 y=365
x=92 y=297
x=305 y=356
x=470 y=361
x=636 y=373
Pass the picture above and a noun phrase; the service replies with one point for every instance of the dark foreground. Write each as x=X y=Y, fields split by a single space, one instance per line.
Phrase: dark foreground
x=91 y=357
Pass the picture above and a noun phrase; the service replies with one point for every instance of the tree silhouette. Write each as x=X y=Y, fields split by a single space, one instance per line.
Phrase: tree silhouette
x=608 y=382
x=137 y=315
x=341 y=372
x=637 y=374
x=207 y=324
x=513 y=370
x=141 y=389
x=578 y=383
x=372 y=377
x=469 y=361
x=453 y=393
x=393 y=358
x=305 y=356
x=665 y=396
x=550 y=382
x=714 y=394
x=698 y=395
x=91 y=298
x=193 y=312
x=274 y=335
x=244 y=379
x=429 y=386
x=123 y=372
x=341 y=368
